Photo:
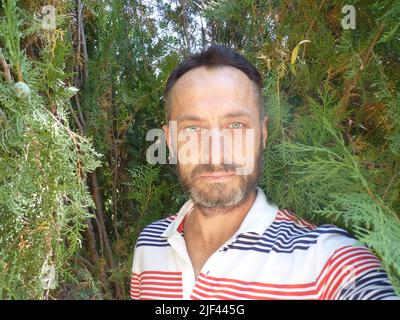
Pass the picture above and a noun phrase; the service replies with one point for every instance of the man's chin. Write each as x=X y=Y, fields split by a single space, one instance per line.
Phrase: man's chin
x=212 y=185
x=217 y=194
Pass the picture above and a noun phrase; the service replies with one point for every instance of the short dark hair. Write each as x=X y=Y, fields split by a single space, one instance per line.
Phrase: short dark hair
x=214 y=56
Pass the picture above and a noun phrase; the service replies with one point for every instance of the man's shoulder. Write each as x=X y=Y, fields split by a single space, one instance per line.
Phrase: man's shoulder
x=161 y=224
x=287 y=219
x=299 y=232
x=151 y=235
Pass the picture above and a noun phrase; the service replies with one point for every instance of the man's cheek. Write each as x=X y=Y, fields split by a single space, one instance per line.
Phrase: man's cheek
x=245 y=170
x=186 y=150
x=244 y=152
x=186 y=171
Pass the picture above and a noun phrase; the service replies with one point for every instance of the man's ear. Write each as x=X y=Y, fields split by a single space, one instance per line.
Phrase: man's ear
x=167 y=135
x=264 y=128
x=168 y=139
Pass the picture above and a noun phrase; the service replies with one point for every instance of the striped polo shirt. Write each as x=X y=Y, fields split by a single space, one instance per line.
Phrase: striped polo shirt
x=273 y=255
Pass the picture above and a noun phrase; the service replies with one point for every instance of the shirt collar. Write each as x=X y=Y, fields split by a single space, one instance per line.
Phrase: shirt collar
x=258 y=219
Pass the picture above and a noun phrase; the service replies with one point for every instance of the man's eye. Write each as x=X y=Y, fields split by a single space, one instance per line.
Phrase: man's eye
x=236 y=125
x=192 y=129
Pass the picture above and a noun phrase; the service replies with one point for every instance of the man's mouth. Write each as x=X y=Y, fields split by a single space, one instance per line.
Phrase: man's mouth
x=217 y=176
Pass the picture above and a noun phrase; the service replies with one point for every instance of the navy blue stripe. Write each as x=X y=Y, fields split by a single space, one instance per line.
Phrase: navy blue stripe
x=270 y=243
x=281 y=236
x=372 y=280
x=151 y=239
x=151 y=234
x=268 y=250
x=275 y=241
x=387 y=293
x=155 y=228
x=152 y=245
x=163 y=224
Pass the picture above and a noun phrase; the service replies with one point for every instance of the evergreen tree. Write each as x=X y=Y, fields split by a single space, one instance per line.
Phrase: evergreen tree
x=43 y=163
x=332 y=99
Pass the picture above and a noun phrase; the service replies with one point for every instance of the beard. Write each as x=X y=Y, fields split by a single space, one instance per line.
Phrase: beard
x=225 y=194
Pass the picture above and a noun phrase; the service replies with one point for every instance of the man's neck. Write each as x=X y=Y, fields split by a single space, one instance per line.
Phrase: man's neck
x=214 y=226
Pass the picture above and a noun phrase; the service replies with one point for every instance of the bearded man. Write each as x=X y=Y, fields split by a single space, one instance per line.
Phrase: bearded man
x=228 y=241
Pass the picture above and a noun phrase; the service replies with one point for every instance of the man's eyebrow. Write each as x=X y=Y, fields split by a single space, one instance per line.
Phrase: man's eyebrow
x=234 y=114
x=189 y=117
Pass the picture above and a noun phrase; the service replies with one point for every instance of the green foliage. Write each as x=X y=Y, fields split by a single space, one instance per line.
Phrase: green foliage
x=333 y=147
x=43 y=194
x=323 y=178
x=332 y=154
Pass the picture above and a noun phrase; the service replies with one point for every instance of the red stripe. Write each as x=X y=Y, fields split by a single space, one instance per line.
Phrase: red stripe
x=161 y=278
x=139 y=292
x=155 y=298
x=180 y=227
x=160 y=289
x=251 y=290
x=169 y=284
x=238 y=295
x=337 y=261
x=285 y=214
x=139 y=281
x=158 y=273
x=216 y=296
x=261 y=284
x=293 y=218
x=283 y=219
x=160 y=295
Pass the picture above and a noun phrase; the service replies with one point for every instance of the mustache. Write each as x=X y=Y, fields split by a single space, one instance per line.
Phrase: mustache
x=210 y=168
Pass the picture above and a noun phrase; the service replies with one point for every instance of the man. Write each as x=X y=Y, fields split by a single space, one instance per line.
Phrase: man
x=228 y=241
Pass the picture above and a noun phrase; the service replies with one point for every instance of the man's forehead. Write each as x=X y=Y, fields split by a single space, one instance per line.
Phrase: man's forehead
x=221 y=85
x=199 y=116
x=206 y=77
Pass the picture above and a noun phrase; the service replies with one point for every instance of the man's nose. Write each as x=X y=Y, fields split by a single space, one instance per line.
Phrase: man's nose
x=216 y=147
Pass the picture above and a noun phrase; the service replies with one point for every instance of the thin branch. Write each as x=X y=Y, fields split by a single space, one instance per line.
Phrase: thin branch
x=185 y=27
x=82 y=39
x=80 y=114
x=6 y=69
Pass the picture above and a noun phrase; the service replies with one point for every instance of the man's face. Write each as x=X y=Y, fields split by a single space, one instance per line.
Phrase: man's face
x=220 y=103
